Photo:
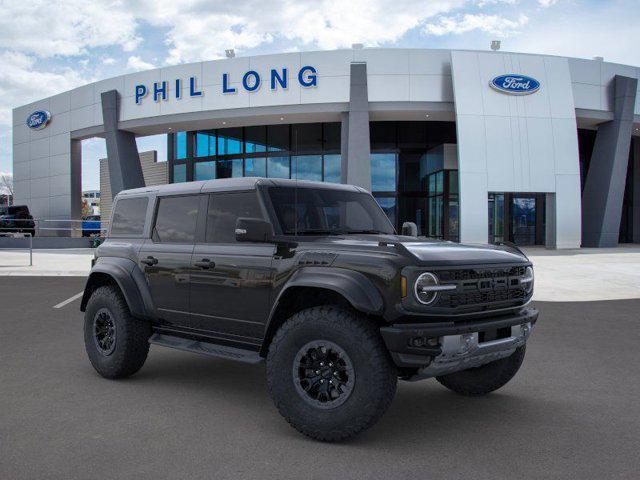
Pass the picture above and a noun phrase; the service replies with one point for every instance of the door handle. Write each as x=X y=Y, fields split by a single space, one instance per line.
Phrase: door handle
x=149 y=260
x=205 y=263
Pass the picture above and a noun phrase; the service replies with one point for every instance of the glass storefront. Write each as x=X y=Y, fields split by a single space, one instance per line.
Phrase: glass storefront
x=409 y=175
x=411 y=179
x=309 y=151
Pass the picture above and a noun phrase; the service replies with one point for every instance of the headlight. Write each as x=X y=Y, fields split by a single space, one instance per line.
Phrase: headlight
x=527 y=279
x=427 y=287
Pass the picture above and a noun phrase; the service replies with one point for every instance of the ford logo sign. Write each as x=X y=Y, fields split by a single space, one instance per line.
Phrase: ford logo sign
x=38 y=119
x=515 y=84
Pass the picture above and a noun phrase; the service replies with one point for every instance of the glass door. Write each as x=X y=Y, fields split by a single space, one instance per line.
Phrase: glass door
x=523 y=220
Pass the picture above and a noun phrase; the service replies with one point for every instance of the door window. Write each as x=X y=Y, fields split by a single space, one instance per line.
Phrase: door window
x=128 y=217
x=176 y=219
x=224 y=210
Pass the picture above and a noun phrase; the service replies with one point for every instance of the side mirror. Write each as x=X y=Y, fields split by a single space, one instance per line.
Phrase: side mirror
x=253 y=230
x=409 y=229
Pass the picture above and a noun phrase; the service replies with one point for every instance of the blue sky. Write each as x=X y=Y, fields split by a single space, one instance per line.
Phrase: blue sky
x=50 y=47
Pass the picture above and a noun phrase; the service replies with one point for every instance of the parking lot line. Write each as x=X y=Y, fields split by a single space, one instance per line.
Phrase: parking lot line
x=68 y=300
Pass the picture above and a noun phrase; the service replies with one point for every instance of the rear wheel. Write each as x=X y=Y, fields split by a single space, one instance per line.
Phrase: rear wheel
x=117 y=343
x=329 y=373
x=486 y=378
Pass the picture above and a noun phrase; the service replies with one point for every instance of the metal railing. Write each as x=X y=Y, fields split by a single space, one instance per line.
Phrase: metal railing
x=26 y=228
x=51 y=225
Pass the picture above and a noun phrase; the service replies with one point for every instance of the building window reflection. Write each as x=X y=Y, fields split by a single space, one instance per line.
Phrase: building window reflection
x=204 y=170
x=180 y=173
x=305 y=151
x=414 y=175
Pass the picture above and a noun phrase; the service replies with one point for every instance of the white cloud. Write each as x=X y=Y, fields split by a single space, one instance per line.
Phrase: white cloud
x=491 y=24
x=547 y=3
x=204 y=30
x=600 y=33
x=46 y=29
x=6 y=183
x=136 y=63
x=17 y=85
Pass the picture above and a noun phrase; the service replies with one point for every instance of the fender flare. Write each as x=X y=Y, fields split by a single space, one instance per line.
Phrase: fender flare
x=355 y=287
x=130 y=280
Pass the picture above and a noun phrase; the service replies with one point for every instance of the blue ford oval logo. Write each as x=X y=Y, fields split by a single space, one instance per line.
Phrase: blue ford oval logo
x=38 y=119
x=515 y=84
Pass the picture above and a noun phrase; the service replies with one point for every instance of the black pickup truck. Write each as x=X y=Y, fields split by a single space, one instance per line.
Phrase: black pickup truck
x=312 y=279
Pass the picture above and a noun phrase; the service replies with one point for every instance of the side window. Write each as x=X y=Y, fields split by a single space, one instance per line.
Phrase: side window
x=176 y=219
x=128 y=217
x=224 y=210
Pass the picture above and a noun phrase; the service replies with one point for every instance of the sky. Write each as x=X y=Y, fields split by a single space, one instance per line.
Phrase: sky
x=48 y=47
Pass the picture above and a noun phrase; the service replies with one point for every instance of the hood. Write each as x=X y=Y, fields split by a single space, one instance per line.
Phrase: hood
x=440 y=253
x=429 y=251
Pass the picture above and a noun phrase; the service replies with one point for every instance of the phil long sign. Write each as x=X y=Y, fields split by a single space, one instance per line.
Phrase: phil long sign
x=251 y=81
x=515 y=84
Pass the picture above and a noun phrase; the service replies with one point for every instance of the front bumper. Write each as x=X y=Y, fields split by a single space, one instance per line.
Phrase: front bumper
x=440 y=348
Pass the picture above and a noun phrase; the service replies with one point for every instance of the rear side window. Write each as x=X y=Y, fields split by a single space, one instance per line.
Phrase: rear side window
x=176 y=219
x=128 y=217
x=224 y=210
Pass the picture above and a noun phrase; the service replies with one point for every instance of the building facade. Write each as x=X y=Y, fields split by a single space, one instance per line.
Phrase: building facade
x=471 y=146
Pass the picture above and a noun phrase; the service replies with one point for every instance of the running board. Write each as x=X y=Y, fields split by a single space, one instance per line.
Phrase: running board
x=211 y=349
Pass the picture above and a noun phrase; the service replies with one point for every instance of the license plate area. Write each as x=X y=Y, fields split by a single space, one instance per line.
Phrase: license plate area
x=495 y=334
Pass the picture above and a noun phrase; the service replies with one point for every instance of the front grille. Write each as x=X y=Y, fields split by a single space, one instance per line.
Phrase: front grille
x=449 y=276
x=482 y=287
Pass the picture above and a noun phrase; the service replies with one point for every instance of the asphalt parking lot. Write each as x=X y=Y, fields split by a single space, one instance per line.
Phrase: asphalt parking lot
x=573 y=411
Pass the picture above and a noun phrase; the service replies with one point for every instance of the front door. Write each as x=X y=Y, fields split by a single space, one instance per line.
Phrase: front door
x=165 y=259
x=231 y=281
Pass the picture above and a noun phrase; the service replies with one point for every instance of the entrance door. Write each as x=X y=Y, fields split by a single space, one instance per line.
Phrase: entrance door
x=517 y=217
x=523 y=220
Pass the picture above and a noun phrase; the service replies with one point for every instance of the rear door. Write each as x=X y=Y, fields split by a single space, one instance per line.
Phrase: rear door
x=231 y=281
x=165 y=259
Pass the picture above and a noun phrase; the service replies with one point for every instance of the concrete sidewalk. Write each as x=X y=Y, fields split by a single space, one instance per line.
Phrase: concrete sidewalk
x=586 y=274
x=68 y=262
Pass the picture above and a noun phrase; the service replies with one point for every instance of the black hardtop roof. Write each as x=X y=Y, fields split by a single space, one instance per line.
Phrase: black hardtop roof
x=231 y=184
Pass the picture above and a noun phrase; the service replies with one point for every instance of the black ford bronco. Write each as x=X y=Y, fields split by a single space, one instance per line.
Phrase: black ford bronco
x=312 y=279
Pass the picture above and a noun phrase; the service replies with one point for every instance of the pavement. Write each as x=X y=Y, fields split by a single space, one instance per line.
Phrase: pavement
x=572 y=412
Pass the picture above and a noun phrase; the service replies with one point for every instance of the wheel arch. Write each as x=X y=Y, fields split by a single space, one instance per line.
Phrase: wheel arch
x=128 y=278
x=314 y=286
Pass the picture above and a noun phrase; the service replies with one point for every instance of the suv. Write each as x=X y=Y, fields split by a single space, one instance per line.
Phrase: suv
x=17 y=219
x=311 y=279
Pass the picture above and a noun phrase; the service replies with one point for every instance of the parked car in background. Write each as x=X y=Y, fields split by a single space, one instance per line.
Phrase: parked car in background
x=90 y=225
x=17 y=219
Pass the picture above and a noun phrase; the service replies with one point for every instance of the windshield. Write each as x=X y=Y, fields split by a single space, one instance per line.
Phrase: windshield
x=317 y=211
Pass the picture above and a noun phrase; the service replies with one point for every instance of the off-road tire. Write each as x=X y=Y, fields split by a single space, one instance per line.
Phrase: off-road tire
x=375 y=375
x=486 y=378
x=131 y=339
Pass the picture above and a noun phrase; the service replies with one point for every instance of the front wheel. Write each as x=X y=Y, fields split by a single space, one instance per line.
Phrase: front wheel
x=329 y=373
x=117 y=343
x=486 y=378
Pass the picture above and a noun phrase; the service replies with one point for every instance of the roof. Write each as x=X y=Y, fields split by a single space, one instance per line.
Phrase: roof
x=230 y=184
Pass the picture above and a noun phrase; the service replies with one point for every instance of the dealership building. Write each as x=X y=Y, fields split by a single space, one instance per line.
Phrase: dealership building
x=472 y=146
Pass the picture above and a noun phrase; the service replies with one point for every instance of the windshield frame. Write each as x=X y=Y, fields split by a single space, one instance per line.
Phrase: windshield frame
x=277 y=227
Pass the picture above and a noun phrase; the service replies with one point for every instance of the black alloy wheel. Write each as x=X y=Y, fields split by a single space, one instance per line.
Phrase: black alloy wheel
x=104 y=331
x=323 y=374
